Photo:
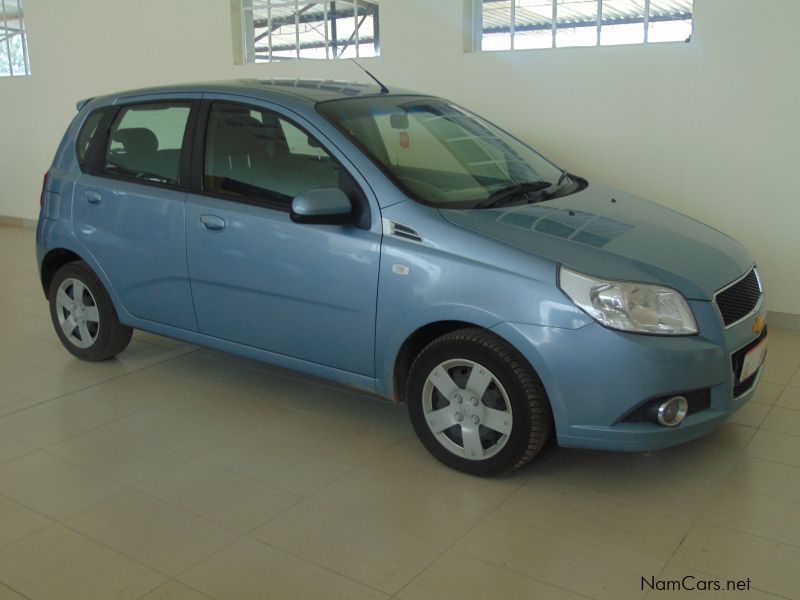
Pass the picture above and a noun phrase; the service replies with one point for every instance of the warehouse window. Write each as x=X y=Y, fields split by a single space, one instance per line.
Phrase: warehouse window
x=520 y=24
x=13 y=44
x=285 y=29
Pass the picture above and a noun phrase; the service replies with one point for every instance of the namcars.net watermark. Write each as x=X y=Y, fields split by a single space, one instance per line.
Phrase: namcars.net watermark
x=691 y=583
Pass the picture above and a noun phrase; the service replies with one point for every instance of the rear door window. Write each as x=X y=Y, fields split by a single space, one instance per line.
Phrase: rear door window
x=257 y=155
x=145 y=142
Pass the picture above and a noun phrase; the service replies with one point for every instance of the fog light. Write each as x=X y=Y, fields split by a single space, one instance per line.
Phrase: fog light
x=673 y=411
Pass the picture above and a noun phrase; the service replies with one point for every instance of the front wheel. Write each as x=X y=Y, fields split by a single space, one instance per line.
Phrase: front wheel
x=84 y=316
x=476 y=404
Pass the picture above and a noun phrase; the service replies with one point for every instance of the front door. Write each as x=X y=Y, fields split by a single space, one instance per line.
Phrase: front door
x=300 y=290
x=130 y=212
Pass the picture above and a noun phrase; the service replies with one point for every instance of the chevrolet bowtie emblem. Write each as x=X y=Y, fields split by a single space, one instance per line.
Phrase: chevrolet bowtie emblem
x=758 y=324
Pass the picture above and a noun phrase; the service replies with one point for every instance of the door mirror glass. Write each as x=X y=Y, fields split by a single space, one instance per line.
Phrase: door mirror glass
x=322 y=205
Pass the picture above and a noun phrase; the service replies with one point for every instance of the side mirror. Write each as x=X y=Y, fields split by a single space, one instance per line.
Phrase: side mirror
x=329 y=206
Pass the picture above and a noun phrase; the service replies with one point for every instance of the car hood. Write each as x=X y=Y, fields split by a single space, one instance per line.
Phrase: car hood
x=610 y=234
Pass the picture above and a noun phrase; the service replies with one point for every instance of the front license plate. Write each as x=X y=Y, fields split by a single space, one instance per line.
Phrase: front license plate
x=753 y=360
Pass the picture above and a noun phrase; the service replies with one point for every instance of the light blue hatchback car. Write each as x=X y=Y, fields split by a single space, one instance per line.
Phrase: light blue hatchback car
x=398 y=243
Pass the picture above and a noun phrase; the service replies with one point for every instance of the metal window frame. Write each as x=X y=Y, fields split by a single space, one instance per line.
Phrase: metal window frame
x=9 y=33
x=330 y=15
x=6 y=38
x=478 y=30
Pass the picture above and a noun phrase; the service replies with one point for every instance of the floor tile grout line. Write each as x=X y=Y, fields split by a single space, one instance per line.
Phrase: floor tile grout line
x=319 y=566
x=50 y=522
x=15 y=590
x=250 y=536
x=769 y=460
x=204 y=517
x=294 y=375
x=202 y=458
x=683 y=516
x=104 y=475
x=114 y=550
x=127 y=489
x=275 y=373
x=757 y=535
x=174 y=580
x=719 y=486
x=256 y=396
x=531 y=578
x=715 y=576
x=667 y=561
x=358 y=466
x=91 y=429
x=145 y=363
x=704 y=511
x=300 y=497
x=221 y=549
x=88 y=387
x=465 y=534
x=494 y=565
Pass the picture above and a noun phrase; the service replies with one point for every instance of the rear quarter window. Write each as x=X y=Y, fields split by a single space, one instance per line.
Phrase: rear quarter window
x=89 y=134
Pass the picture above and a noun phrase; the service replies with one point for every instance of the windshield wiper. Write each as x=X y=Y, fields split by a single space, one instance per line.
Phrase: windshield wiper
x=504 y=195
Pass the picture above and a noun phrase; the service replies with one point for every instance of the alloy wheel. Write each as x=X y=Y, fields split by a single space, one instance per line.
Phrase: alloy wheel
x=467 y=409
x=77 y=313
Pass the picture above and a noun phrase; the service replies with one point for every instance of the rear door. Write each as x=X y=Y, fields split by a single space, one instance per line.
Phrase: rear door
x=300 y=290
x=129 y=209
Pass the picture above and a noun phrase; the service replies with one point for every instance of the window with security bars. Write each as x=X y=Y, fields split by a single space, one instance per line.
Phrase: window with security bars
x=287 y=29
x=13 y=43
x=521 y=24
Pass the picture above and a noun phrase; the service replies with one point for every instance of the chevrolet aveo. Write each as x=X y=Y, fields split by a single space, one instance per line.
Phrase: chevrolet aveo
x=401 y=244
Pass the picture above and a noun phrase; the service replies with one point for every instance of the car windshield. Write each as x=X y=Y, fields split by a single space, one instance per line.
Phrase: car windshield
x=443 y=155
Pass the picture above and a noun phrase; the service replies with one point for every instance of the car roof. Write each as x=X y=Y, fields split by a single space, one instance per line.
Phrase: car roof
x=296 y=91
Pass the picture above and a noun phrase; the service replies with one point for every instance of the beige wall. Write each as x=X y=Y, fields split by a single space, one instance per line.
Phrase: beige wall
x=710 y=128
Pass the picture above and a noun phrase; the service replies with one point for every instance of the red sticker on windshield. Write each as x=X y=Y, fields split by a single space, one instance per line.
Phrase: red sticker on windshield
x=404 y=141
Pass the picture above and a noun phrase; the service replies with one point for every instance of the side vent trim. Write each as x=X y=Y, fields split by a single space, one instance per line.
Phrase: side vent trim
x=399 y=230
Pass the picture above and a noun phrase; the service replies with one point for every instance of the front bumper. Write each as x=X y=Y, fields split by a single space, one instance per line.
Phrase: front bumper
x=594 y=376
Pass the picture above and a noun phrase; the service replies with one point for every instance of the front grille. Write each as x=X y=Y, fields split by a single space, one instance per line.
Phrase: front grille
x=697 y=400
x=739 y=299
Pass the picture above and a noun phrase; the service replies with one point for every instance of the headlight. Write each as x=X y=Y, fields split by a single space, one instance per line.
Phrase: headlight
x=628 y=306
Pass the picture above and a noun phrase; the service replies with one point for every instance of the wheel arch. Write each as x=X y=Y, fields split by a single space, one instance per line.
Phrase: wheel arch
x=64 y=253
x=424 y=335
x=52 y=262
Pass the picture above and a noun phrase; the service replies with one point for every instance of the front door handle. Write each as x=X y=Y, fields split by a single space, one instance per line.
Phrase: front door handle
x=92 y=197
x=212 y=222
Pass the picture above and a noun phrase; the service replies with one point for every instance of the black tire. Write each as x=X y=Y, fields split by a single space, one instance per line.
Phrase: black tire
x=532 y=421
x=112 y=337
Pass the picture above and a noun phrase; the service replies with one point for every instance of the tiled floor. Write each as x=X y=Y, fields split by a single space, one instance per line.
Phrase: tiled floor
x=178 y=472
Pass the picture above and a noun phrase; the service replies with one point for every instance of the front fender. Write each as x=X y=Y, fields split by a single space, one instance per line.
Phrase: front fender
x=458 y=275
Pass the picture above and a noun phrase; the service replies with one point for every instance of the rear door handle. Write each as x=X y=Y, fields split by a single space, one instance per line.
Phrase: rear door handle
x=212 y=222
x=92 y=197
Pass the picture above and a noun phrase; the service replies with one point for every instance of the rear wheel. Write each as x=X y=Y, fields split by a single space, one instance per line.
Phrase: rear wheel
x=84 y=316
x=476 y=404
